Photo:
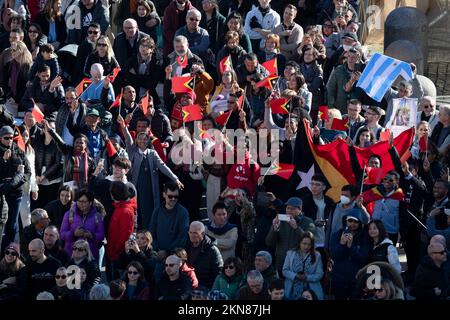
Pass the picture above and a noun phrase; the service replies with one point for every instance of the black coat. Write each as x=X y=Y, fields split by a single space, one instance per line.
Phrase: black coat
x=11 y=180
x=146 y=258
x=428 y=277
x=58 y=253
x=60 y=26
x=179 y=289
x=56 y=212
x=47 y=156
x=108 y=65
x=21 y=82
x=93 y=275
x=122 y=48
x=84 y=50
x=208 y=263
x=51 y=101
x=161 y=126
x=6 y=118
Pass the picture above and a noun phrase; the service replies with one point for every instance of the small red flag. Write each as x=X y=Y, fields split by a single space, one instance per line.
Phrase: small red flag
x=202 y=133
x=279 y=105
x=117 y=102
x=283 y=170
x=182 y=84
x=182 y=61
x=268 y=82
x=144 y=103
x=223 y=118
x=271 y=66
x=323 y=112
x=110 y=149
x=115 y=73
x=82 y=86
x=192 y=113
x=405 y=156
x=19 y=139
x=339 y=124
x=423 y=143
x=240 y=102
x=225 y=64
x=37 y=113
x=374 y=175
x=384 y=135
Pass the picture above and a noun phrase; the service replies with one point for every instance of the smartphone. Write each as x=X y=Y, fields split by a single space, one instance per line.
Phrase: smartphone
x=284 y=217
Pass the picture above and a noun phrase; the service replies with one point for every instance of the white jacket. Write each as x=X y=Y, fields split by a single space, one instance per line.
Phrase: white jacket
x=269 y=22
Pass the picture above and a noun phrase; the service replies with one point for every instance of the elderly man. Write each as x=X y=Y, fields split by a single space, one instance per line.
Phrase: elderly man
x=174 y=18
x=432 y=279
x=174 y=284
x=263 y=264
x=198 y=38
x=88 y=11
x=441 y=133
x=39 y=221
x=53 y=245
x=38 y=275
x=126 y=44
x=203 y=255
x=429 y=111
x=255 y=289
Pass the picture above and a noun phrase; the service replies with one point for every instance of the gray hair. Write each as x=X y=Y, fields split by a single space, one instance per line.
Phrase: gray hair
x=255 y=275
x=37 y=215
x=86 y=246
x=45 y=295
x=445 y=108
x=265 y=255
x=99 y=292
x=130 y=20
x=98 y=67
x=193 y=12
x=180 y=39
x=176 y=259
x=198 y=225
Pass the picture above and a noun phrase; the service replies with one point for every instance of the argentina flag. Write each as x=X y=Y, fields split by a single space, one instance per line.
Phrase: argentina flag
x=380 y=73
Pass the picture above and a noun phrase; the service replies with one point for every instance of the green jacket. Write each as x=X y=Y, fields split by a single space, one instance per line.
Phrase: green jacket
x=230 y=288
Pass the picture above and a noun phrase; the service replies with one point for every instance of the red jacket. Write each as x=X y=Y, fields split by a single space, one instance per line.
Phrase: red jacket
x=190 y=272
x=121 y=227
x=244 y=175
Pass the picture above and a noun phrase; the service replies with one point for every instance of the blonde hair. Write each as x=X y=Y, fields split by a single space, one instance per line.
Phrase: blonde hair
x=109 y=51
x=334 y=113
x=85 y=245
x=25 y=59
x=275 y=38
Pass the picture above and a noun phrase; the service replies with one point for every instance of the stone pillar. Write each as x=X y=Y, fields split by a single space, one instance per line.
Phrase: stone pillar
x=407 y=51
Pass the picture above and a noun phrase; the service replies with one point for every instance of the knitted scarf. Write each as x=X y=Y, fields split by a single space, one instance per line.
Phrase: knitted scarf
x=80 y=168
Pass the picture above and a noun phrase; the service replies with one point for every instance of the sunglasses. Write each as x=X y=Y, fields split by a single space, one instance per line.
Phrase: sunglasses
x=231 y=267
x=133 y=272
x=102 y=45
x=78 y=249
x=92 y=32
x=33 y=31
x=60 y=277
x=427 y=106
x=192 y=19
x=170 y=265
x=379 y=290
x=172 y=197
x=352 y=221
x=7 y=138
x=11 y=253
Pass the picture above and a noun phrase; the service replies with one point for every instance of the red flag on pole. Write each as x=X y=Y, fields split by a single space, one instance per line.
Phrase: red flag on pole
x=82 y=86
x=339 y=124
x=384 y=136
x=283 y=170
x=182 y=61
x=182 y=84
x=268 y=82
x=115 y=73
x=110 y=149
x=117 y=102
x=222 y=119
x=271 y=66
x=18 y=139
x=192 y=113
x=144 y=103
x=225 y=64
x=423 y=143
x=323 y=112
x=37 y=113
x=279 y=105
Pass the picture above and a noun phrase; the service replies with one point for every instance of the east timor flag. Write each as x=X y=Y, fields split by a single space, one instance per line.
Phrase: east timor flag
x=192 y=113
x=225 y=64
x=279 y=105
x=268 y=82
x=271 y=66
x=82 y=86
x=339 y=124
x=283 y=170
x=182 y=84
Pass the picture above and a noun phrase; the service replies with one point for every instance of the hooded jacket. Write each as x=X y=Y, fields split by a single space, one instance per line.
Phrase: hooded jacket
x=428 y=277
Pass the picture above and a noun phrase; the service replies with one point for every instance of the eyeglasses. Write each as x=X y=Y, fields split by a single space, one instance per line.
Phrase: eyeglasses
x=379 y=290
x=170 y=265
x=231 y=267
x=170 y=196
x=92 y=32
x=427 y=106
x=60 y=277
x=133 y=272
x=33 y=31
x=78 y=249
x=7 y=138
x=102 y=45
x=440 y=252
x=192 y=19
x=11 y=253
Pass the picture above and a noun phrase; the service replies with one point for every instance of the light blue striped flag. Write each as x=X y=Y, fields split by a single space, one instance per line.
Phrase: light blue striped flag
x=380 y=73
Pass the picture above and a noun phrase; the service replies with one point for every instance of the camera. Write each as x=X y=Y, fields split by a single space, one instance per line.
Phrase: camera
x=132 y=238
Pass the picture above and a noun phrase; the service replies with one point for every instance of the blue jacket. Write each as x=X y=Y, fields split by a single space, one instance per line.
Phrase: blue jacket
x=99 y=14
x=52 y=63
x=347 y=261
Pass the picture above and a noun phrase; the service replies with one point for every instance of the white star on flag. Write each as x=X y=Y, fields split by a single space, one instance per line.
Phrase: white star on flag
x=306 y=178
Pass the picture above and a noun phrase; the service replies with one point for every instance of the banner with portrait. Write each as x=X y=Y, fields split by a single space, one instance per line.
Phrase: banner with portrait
x=404 y=115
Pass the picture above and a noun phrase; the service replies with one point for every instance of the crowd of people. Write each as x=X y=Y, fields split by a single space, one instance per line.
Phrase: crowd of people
x=95 y=204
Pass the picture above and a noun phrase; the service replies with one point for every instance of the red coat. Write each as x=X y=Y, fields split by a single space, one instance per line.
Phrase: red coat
x=121 y=227
x=190 y=272
x=243 y=176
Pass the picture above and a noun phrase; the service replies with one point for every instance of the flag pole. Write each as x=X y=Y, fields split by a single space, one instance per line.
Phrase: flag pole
x=417 y=219
x=362 y=180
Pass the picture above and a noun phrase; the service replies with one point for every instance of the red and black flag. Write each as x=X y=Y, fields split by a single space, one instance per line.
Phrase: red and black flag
x=182 y=61
x=225 y=64
x=114 y=74
x=323 y=113
x=17 y=138
x=271 y=66
x=339 y=124
x=283 y=170
x=117 y=102
x=279 y=105
x=182 y=84
x=82 y=86
x=192 y=113
x=269 y=82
